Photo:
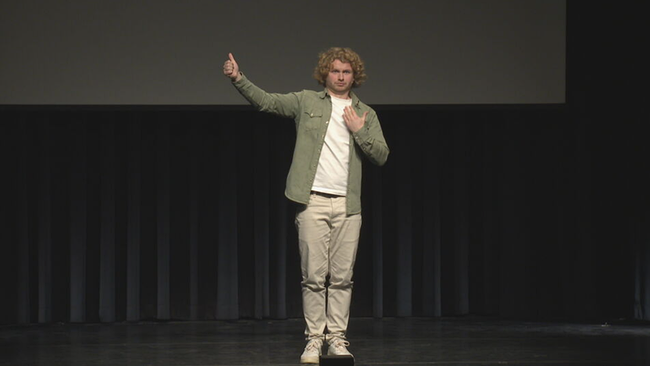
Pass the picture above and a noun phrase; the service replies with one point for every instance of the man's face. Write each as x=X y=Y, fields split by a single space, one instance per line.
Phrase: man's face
x=339 y=80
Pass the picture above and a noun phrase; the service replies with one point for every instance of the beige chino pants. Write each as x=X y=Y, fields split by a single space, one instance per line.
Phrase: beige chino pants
x=328 y=241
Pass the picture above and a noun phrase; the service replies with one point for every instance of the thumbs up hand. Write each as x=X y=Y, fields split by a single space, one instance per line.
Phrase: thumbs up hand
x=231 y=68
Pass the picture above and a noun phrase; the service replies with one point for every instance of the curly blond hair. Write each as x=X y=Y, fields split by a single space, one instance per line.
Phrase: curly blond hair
x=345 y=55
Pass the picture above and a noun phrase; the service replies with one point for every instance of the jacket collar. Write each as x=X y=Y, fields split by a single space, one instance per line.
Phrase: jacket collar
x=355 y=99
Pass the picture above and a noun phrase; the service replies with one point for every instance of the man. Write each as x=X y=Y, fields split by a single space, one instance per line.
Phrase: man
x=334 y=130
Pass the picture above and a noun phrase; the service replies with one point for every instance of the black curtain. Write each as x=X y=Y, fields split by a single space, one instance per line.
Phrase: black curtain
x=528 y=212
x=113 y=214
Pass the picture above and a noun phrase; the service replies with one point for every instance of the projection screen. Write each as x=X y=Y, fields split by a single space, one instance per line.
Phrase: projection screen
x=169 y=52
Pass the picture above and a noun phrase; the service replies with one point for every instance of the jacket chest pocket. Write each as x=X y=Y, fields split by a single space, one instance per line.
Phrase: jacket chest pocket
x=311 y=119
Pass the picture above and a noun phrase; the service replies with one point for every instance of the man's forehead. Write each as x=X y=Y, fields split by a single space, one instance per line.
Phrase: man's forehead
x=340 y=64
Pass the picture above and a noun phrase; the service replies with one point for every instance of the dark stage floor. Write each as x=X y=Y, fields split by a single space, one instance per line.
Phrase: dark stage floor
x=412 y=341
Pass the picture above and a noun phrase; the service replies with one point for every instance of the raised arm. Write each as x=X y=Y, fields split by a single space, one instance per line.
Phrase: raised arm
x=286 y=105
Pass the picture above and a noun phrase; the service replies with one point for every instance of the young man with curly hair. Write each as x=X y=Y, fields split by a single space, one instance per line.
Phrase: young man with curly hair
x=334 y=131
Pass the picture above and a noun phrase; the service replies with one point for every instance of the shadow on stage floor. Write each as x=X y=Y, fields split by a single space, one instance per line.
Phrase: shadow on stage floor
x=410 y=341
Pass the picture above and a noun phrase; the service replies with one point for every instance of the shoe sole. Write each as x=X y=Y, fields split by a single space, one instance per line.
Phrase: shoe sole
x=346 y=354
x=340 y=354
x=311 y=360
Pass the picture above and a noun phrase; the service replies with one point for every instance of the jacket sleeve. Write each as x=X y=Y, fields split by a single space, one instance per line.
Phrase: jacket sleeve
x=286 y=105
x=370 y=139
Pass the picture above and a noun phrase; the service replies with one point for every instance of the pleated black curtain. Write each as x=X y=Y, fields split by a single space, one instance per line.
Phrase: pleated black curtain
x=114 y=214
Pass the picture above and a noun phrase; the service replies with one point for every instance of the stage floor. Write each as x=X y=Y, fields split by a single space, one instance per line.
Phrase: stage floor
x=410 y=341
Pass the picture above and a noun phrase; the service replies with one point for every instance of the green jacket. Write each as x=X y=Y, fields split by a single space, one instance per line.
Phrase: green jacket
x=311 y=111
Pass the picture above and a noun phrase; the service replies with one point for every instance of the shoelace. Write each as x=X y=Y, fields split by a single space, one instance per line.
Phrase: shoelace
x=341 y=345
x=313 y=345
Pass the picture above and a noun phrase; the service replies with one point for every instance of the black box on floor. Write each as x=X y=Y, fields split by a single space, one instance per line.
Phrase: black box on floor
x=336 y=361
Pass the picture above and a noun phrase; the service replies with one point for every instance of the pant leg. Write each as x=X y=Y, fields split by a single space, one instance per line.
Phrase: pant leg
x=314 y=234
x=342 y=256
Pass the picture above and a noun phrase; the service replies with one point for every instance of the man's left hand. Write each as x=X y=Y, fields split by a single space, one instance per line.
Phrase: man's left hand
x=353 y=121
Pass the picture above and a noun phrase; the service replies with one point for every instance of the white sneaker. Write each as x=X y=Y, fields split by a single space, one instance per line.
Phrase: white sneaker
x=338 y=347
x=312 y=351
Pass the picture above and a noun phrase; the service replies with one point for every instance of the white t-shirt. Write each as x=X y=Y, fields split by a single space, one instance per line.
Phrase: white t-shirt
x=332 y=172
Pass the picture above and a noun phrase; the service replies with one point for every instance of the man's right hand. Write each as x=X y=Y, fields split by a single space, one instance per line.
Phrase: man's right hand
x=231 y=69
